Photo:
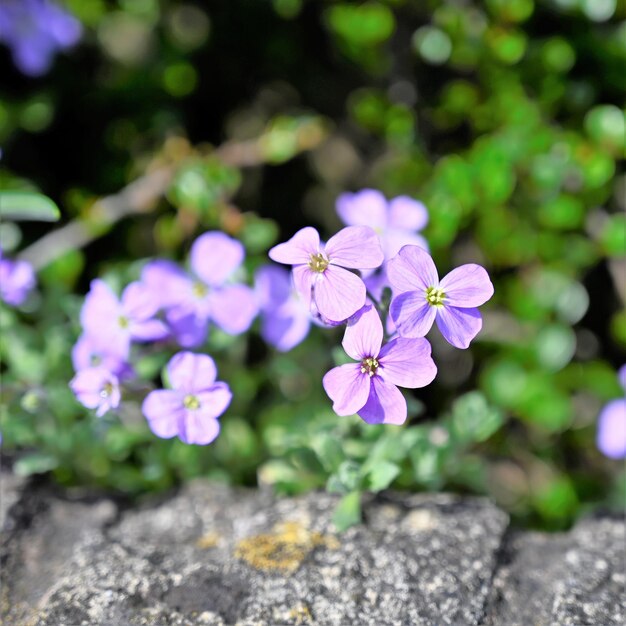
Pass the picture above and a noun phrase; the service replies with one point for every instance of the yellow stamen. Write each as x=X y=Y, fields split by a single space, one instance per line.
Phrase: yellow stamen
x=435 y=296
x=369 y=366
x=318 y=262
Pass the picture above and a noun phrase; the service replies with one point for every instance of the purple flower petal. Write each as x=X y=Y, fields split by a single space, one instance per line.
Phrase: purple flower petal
x=17 y=279
x=621 y=375
x=407 y=363
x=215 y=400
x=298 y=249
x=467 y=286
x=90 y=351
x=611 y=438
x=215 y=256
x=338 y=293
x=233 y=308
x=412 y=269
x=458 y=326
x=364 y=208
x=191 y=373
x=385 y=404
x=164 y=411
x=197 y=429
x=150 y=330
x=364 y=336
x=139 y=301
x=272 y=285
x=285 y=328
x=189 y=329
x=394 y=240
x=412 y=314
x=347 y=387
x=405 y=213
x=96 y=388
x=355 y=247
x=303 y=280
x=168 y=283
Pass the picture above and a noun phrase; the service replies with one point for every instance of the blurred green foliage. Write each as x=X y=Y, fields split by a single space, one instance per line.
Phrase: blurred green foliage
x=505 y=117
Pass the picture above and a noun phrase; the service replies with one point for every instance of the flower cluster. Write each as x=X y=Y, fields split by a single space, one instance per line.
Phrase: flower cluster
x=35 y=30
x=330 y=284
x=17 y=280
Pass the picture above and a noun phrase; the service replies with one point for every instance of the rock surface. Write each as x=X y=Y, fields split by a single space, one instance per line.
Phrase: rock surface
x=219 y=556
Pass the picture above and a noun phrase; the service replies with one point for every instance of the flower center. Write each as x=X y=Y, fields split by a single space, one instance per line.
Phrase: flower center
x=435 y=296
x=318 y=262
x=369 y=366
x=122 y=320
x=199 y=290
x=191 y=402
x=106 y=391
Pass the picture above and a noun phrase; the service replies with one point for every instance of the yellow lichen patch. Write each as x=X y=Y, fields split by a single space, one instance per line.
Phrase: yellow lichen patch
x=301 y=615
x=284 y=548
x=210 y=540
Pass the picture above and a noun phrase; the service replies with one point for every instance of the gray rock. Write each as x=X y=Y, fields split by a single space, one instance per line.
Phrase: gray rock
x=573 y=578
x=220 y=556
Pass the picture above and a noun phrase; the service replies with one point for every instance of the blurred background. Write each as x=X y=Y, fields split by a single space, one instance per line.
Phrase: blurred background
x=504 y=117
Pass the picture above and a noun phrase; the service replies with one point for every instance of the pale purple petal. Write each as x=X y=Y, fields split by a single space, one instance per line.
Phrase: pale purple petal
x=164 y=411
x=364 y=335
x=338 y=293
x=17 y=279
x=467 y=286
x=272 y=285
x=412 y=269
x=188 y=328
x=407 y=363
x=150 y=330
x=233 y=308
x=303 y=281
x=139 y=302
x=197 y=429
x=394 y=240
x=96 y=388
x=285 y=328
x=298 y=249
x=347 y=387
x=215 y=400
x=405 y=213
x=191 y=373
x=101 y=308
x=611 y=438
x=91 y=351
x=412 y=314
x=385 y=404
x=376 y=282
x=169 y=284
x=364 y=208
x=215 y=256
x=355 y=247
x=458 y=326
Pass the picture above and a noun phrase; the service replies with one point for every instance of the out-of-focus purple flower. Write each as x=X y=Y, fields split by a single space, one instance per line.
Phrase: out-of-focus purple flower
x=611 y=437
x=420 y=297
x=118 y=322
x=285 y=317
x=369 y=387
x=396 y=222
x=191 y=407
x=319 y=271
x=35 y=30
x=94 y=351
x=96 y=388
x=17 y=279
x=191 y=302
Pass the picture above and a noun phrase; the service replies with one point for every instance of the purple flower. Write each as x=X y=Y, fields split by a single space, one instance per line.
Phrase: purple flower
x=318 y=270
x=35 y=30
x=17 y=279
x=118 y=322
x=396 y=222
x=95 y=351
x=96 y=388
x=369 y=386
x=192 y=302
x=285 y=317
x=611 y=438
x=421 y=298
x=191 y=407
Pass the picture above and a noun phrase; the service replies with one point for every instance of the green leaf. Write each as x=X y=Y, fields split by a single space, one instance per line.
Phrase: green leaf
x=473 y=419
x=328 y=450
x=381 y=476
x=27 y=206
x=36 y=463
x=348 y=511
